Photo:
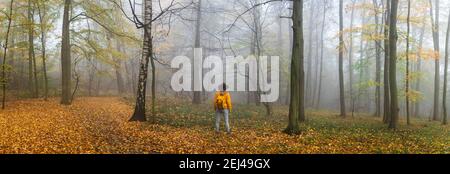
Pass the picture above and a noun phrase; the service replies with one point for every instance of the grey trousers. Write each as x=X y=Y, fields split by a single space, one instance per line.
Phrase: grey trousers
x=225 y=114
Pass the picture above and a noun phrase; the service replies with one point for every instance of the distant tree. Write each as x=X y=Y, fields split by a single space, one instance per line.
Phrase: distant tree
x=118 y=71
x=435 y=28
x=350 y=59
x=32 y=71
x=309 y=56
x=41 y=6
x=322 y=40
x=387 y=95
x=341 y=58
x=444 y=100
x=419 y=69
x=4 y=81
x=197 y=99
x=408 y=121
x=378 y=48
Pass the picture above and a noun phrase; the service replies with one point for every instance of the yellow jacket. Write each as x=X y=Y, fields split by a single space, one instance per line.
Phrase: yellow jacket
x=228 y=104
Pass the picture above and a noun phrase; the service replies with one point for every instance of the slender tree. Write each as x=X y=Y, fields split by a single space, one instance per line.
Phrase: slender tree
x=387 y=95
x=308 y=82
x=291 y=43
x=419 y=68
x=296 y=107
x=408 y=121
x=393 y=65
x=378 y=62
x=258 y=50
x=435 y=27
x=42 y=15
x=32 y=74
x=197 y=94
x=444 y=100
x=65 y=55
x=362 y=61
x=5 y=51
x=341 y=58
x=139 y=110
x=117 y=64
x=350 y=59
x=322 y=40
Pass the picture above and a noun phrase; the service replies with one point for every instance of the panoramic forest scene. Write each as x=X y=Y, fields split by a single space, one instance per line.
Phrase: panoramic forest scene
x=224 y=77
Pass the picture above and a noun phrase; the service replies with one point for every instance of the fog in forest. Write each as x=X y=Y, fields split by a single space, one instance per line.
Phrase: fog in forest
x=281 y=76
x=106 y=47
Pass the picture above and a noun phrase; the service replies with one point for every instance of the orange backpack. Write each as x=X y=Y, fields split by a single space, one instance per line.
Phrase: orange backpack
x=220 y=101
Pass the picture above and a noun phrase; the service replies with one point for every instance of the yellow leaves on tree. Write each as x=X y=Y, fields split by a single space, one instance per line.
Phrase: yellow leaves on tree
x=429 y=54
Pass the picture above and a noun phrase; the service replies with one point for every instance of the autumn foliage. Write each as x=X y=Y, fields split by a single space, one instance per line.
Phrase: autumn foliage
x=100 y=125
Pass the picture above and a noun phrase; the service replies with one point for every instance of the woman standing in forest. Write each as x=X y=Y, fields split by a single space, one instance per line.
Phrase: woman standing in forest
x=222 y=106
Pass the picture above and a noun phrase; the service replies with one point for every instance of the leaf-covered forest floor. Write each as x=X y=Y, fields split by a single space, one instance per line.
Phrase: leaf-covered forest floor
x=100 y=125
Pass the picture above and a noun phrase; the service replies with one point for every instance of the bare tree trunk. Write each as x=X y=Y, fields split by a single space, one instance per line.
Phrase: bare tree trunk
x=31 y=56
x=5 y=51
x=308 y=93
x=76 y=77
x=291 y=43
x=14 y=63
x=362 y=71
x=247 y=84
x=134 y=78
x=65 y=55
x=387 y=95
x=378 y=63
x=139 y=111
x=280 y=31
x=36 y=84
x=129 y=87
x=444 y=100
x=99 y=79
x=126 y=78
x=393 y=65
x=316 y=67
x=21 y=78
x=117 y=68
x=259 y=48
x=152 y=63
x=408 y=121
x=350 y=60
x=42 y=14
x=341 y=58
x=91 y=75
x=281 y=45
x=435 y=25
x=252 y=95
x=319 y=94
x=296 y=107
x=418 y=69
x=197 y=99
